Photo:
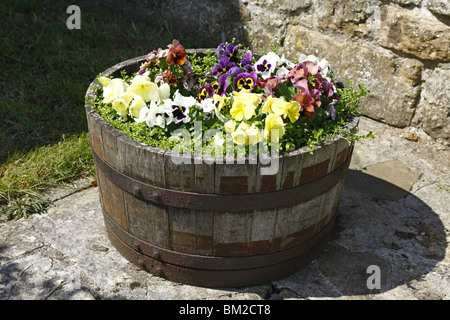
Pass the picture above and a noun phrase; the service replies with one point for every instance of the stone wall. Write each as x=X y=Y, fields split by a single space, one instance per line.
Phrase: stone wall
x=397 y=49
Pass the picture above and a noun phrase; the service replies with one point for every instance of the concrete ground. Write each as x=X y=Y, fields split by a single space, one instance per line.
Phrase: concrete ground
x=390 y=242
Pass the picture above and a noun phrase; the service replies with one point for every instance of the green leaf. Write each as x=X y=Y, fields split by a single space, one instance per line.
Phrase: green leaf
x=286 y=91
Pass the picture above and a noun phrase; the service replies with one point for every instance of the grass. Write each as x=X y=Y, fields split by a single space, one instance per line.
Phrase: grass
x=46 y=70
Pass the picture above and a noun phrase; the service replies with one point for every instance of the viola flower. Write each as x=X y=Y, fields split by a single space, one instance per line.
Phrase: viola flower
x=223 y=83
x=142 y=86
x=104 y=81
x=221 y=101
x=164 y=91
x=274 y=127
x=246 y=134
x=283 y=108
x=315 y=94
x=167 y=77
x=176 y=54
x=136 y=105
x=122 y=103
x=268 y=85
x=241 y=110
x=204 y=93
x=307 y=104
x=230 y=126
x=225 y=66
x=188 y=76
x=244 y=105
x=267 y=64
x=230 y=50
x=214 y=88
x=267 y=106
x=155 y=115
x=208 y=105
x=247 y=62
x=245 y=81
x=114 y=89
x=179 y=107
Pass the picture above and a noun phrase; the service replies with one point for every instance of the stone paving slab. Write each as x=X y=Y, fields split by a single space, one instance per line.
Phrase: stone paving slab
x=393 y=215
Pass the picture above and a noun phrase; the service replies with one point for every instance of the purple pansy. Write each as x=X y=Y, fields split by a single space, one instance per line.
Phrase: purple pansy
x=245 y=81
x=225 y=66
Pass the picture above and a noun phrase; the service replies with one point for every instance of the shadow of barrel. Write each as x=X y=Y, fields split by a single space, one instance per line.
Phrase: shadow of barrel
x=384 y=237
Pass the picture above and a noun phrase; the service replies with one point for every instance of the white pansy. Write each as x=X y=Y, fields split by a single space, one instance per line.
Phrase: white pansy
x=179 y=107
x=303 y=57
x=208 y=105
x=282 y=71
x=286 y=62
x=143 y=113
x=267 y=64
x=157 y=115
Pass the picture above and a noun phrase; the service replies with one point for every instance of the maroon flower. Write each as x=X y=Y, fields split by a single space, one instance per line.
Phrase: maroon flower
x=177 y=53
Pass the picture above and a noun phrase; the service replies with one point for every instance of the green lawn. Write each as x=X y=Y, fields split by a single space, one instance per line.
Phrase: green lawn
x=46 y=70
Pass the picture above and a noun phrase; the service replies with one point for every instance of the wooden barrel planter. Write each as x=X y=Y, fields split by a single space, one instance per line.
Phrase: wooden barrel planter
x=219 y=224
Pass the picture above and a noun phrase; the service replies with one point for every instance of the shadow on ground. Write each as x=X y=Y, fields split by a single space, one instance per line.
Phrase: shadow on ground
x=378 y=224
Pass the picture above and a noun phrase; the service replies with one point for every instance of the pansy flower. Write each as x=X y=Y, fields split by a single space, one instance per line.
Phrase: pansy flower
x=113 y=89
x=245 y=81
x=274 y=127
x=214 y=88
x=230 y=50
x=142 y=87
x=269 y=85
x=244 y=105
x=176 y=54
x=267 y=64
x=155 y=115
x=225 y=66
x=179 y=107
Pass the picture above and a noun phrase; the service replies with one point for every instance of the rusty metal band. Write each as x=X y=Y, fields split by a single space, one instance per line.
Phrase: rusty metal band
x=213 y=271
x=221 y=202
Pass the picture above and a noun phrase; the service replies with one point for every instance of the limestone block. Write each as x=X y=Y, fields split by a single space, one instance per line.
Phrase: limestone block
x=434 y=106
x=410 y=32
x=349 y=17
x=407 y=2
x=439 y=6
x=285 y=5
x=293 y=5
x=392 y=81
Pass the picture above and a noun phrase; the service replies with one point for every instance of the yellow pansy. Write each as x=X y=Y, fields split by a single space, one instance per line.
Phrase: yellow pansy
x=285 y=109
x=240 y=136
x=222 y=101
x=104 y=81
x=164 y=91
x=230 y=126
x=293 y=111
x=253 y=134
x=246 y=134
x=267 y=107
x=136 y=105
x=274 y=127
x=113 y=90
x=121 y=104
x=142 y=86
x=244 y=105
x=279 y=107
